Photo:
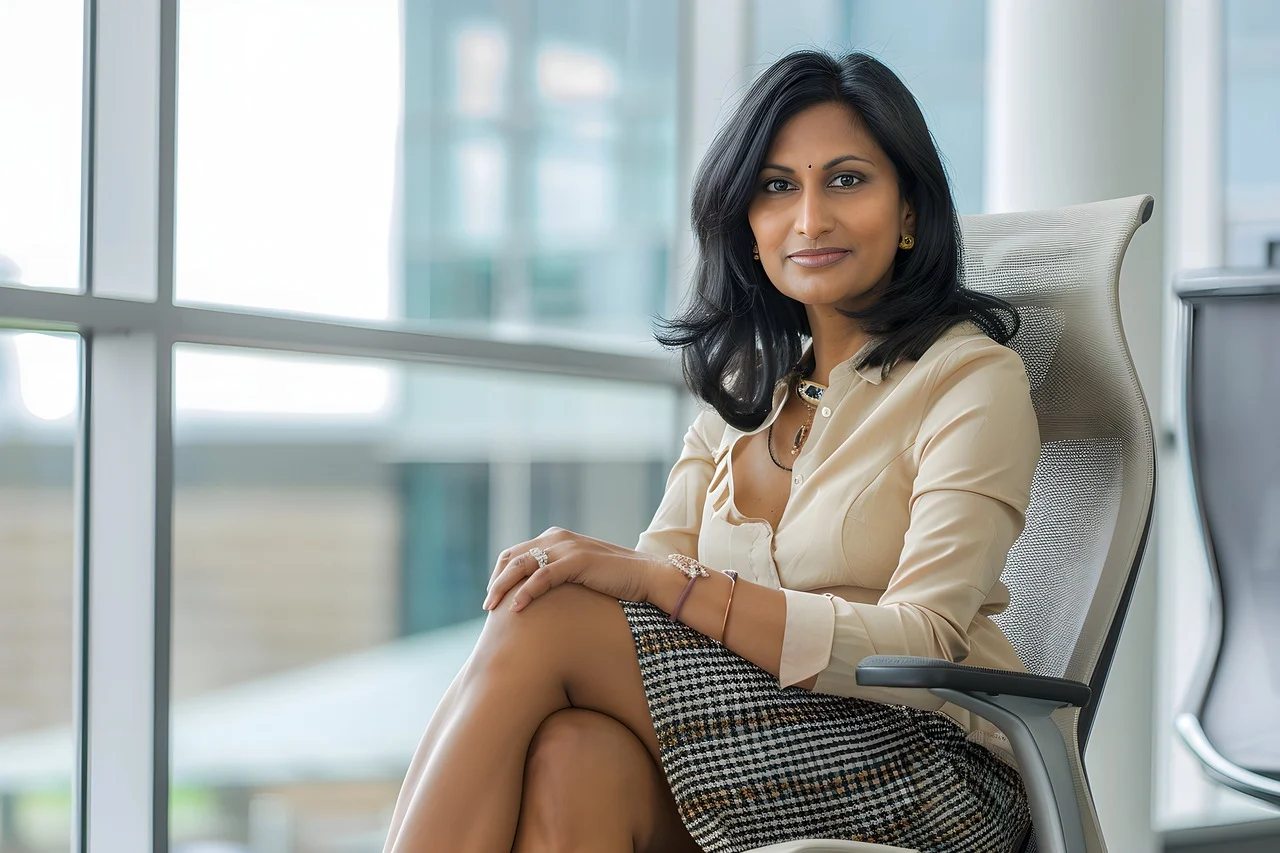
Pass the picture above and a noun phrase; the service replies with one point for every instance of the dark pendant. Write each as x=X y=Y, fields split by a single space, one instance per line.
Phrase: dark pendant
x=801 y=435
x=810 y=392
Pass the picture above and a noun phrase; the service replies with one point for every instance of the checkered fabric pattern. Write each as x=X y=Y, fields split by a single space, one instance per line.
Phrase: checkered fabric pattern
x=751 y=764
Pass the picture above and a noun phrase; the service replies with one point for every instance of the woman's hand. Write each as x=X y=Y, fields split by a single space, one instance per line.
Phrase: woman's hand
x=572 y=558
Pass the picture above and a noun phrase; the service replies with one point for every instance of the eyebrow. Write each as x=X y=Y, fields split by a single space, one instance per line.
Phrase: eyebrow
x=827 y=166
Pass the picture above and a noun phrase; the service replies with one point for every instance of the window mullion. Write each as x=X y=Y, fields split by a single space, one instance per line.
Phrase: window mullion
x=715 y=46
x=126 y=477
x=125 y=461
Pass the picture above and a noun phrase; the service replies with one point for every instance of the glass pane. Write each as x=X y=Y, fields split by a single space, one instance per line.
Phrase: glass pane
x=1252 y=133
x=937 y=47
x=39 y=408
x=463 y=163
x=41 y=69
x=335 y=525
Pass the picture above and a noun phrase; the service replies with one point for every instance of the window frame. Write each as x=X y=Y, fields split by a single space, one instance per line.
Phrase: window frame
x=129 y=324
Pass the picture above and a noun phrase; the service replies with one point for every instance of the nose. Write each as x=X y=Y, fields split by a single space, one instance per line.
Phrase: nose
x=813 y=219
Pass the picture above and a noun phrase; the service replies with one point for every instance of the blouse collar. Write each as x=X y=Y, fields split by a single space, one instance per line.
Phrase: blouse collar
x=871 y=373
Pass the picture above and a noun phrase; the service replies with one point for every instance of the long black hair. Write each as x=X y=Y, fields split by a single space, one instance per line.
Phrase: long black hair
x=737 y=334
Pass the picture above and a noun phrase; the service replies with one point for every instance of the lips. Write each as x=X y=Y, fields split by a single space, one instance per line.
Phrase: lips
x=818 y=257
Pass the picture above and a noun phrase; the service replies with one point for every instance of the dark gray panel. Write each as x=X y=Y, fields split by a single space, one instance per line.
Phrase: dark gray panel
x=1234 y=408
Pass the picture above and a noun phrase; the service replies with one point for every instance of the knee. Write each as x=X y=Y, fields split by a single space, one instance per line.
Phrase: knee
x=562 y=616
x=565 y=755
x=570 y=783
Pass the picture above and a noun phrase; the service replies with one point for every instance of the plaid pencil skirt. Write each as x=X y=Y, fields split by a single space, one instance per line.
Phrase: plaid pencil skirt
x=750 y=764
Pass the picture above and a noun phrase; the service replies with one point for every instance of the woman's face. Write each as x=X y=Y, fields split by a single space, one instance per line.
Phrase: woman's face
x=827 y=215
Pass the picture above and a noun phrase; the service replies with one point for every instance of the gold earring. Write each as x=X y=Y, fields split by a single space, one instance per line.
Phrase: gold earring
x=906 y=242
x=755 y=252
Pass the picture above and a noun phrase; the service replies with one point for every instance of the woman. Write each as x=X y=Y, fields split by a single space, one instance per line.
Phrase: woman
x=855 y=497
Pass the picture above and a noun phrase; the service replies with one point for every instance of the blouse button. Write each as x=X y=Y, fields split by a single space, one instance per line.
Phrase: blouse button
x=797 y=479
x=826 y=412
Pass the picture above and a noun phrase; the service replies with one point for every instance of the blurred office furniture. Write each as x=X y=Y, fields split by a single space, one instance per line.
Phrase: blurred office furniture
x=1231 y=427
x=1072 y=571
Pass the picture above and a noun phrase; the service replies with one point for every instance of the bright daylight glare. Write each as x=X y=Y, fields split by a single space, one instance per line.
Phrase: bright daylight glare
x=286 y=187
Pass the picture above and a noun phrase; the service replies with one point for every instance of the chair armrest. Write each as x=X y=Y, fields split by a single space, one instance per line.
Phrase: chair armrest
x=1021 y=705
x=895 y=671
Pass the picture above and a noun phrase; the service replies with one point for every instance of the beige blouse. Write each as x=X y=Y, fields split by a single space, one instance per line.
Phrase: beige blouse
x=905 y=500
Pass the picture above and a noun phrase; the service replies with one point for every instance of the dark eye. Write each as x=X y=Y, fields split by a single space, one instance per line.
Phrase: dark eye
x=845 y=181
x=776 y=185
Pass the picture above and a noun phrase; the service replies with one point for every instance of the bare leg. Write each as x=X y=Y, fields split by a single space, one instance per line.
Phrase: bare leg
x=420 y=756
x=590 y=785
x=570 y=648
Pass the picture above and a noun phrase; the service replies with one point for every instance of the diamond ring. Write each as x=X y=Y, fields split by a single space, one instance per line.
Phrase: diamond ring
x=539 y=555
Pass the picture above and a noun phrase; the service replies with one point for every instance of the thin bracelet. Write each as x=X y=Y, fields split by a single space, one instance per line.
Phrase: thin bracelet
x=694 y=570
x=733 y=585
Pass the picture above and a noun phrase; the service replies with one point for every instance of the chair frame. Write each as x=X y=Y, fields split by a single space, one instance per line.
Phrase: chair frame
x=1191 y=291
x=1023 y=705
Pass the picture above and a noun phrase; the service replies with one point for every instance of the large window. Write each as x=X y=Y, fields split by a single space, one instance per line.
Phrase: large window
x=539 y=158
x=41 y=49
x=368 y=295
x=937 y=47
x=41 y=44
x=493 y=165
x=39 y=402
x=1252 y=132
x=287 y=155
x=329 y=562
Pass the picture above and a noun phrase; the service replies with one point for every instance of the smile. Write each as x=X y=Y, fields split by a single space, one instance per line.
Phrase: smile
x=820 y=260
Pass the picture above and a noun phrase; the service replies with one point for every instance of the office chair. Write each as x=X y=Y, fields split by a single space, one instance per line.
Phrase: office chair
x=1230 y=416
x=1072 y=571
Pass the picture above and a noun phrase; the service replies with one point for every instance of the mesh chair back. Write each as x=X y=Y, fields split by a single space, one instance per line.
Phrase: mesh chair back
x=1231 y=416
x=1072 y=570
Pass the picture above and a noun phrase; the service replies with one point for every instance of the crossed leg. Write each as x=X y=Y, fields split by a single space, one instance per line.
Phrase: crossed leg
x=590 y=785
x=571 y=648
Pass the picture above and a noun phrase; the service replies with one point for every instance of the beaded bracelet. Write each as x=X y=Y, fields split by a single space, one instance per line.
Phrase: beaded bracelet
x=694 y=570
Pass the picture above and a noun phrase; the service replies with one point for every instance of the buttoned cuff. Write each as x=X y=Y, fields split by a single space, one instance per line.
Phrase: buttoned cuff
x=806 y=639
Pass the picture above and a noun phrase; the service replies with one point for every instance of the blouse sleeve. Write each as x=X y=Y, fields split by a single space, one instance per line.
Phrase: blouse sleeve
x=975 y=452
x=676 y=524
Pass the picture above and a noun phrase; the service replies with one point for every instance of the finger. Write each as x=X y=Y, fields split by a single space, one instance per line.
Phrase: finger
x=517 y=569
x=503 y=558
x=549 y=537
x=499 y=583
x=539 y=583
